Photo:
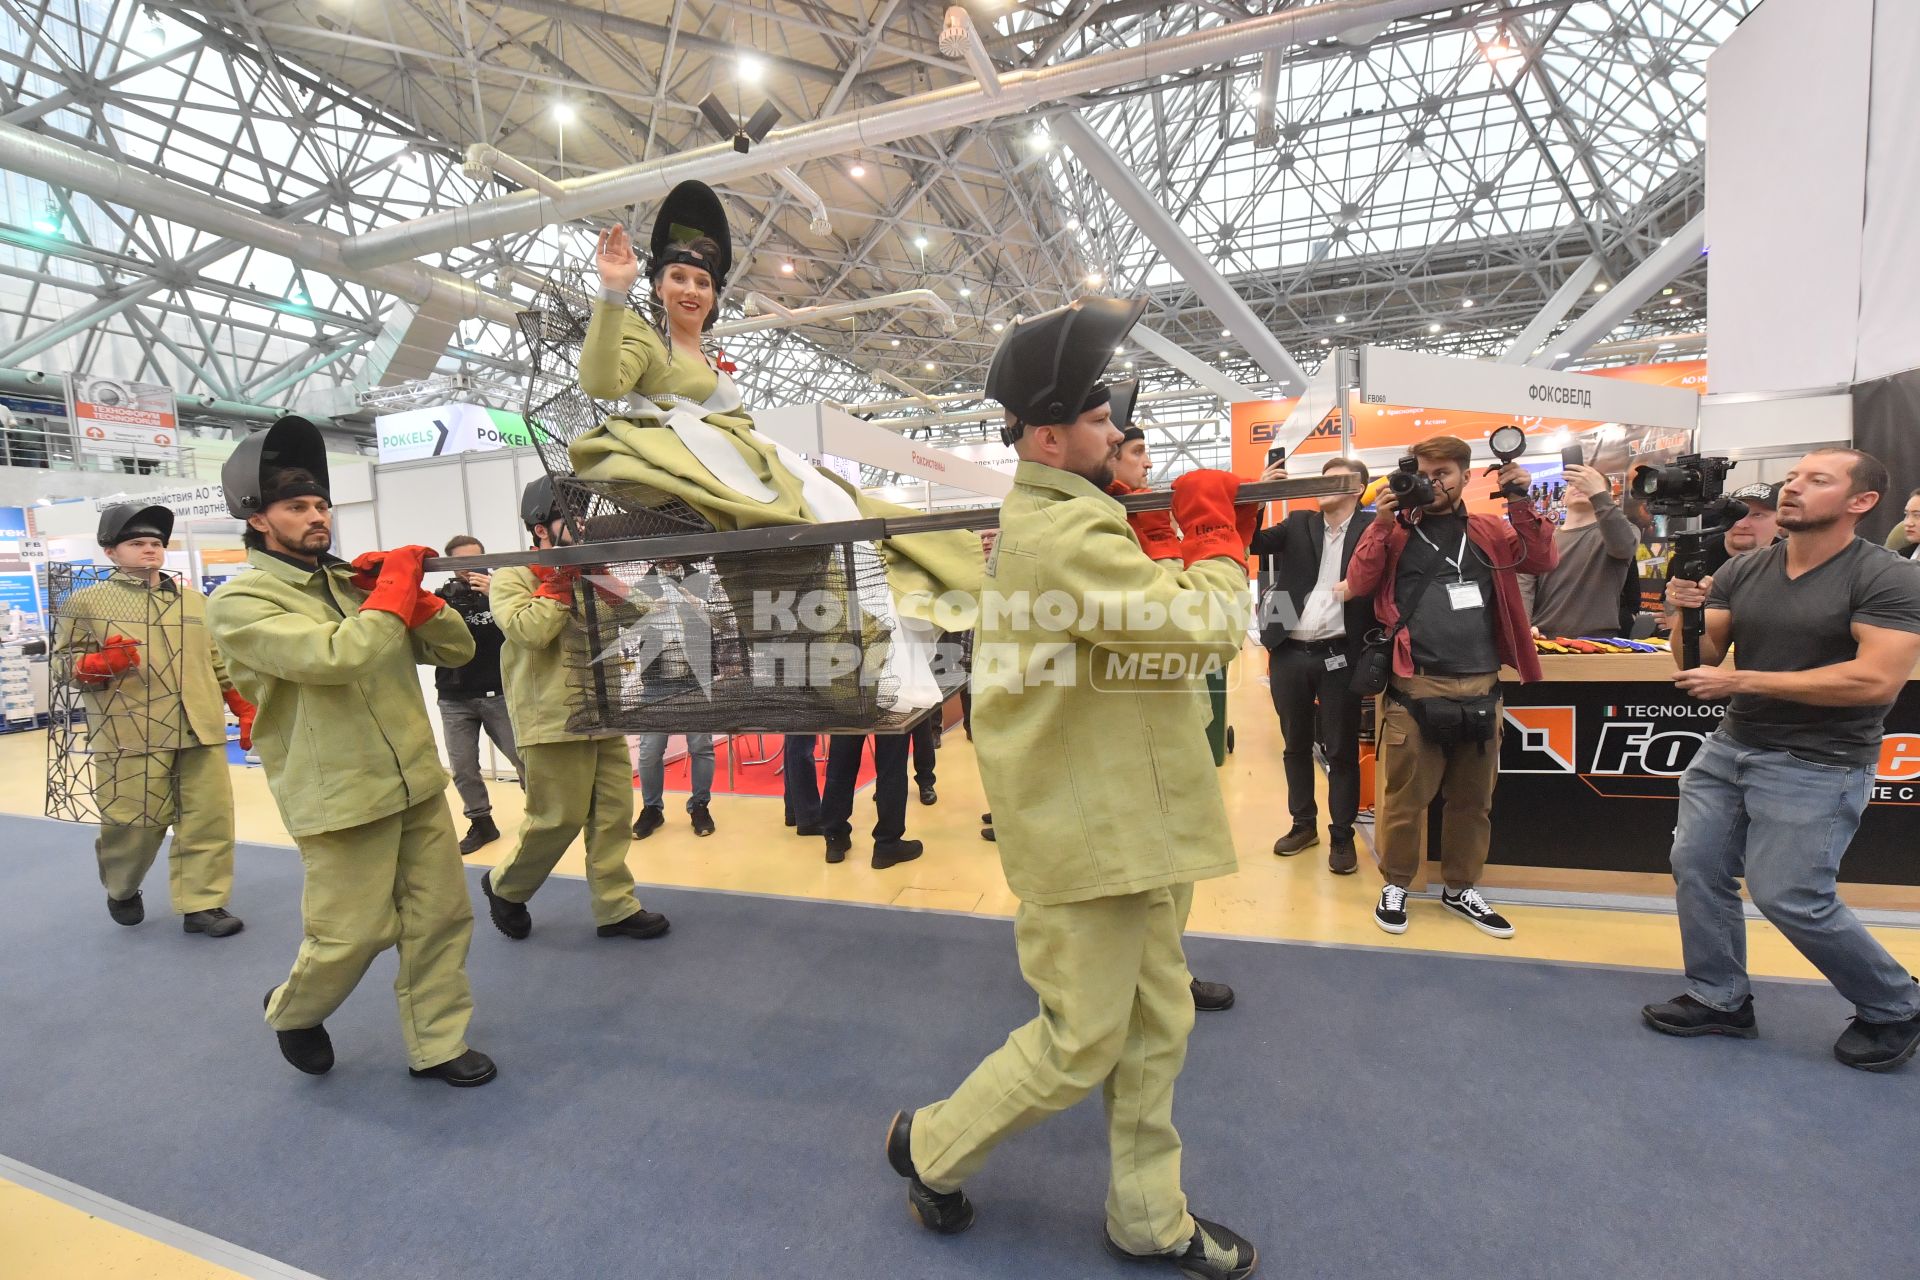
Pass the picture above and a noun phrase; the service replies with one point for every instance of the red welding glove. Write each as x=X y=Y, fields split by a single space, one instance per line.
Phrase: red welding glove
x=245 y=711
x=555 y=584
x=1210 y=523
x=1153 y=529
x=396 y=586
x=119 y=655
x=366 y=569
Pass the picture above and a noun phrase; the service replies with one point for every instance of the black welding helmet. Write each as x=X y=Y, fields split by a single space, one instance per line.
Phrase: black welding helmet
x=1047 y=369
x=539 y=502
x=129 y=520
x=250 y=475
x=1121 y=396
x=690 y=211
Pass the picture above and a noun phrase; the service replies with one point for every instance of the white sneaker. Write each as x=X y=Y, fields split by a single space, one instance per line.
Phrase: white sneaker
x=1390 y=913
x=1470 y=904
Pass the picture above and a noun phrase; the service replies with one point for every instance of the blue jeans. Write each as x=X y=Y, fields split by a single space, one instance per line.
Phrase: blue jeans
x=653 y=769
x=1784 y=823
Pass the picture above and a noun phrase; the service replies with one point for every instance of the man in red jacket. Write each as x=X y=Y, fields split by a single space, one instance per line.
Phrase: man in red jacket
x=1445 y=587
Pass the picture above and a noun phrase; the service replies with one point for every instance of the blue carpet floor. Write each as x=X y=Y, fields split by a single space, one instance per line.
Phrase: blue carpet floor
x=712 y=1104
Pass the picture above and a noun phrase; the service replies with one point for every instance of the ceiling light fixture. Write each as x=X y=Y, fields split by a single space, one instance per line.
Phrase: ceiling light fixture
x=563 y=112
x=920 y=242
x=1433 y=328
x=786 y=268
x=1226 y=333
x=752 y=70
x=965 y=292
x=998 y=325
x=1095 y=279
x=1466 y=302
x=856 y=171
x=1339 y=319
x=930 y=366
x=1601 y=287
x=896 y=342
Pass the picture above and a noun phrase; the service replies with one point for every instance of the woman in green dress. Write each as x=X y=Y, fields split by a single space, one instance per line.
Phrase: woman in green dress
x=680 y=429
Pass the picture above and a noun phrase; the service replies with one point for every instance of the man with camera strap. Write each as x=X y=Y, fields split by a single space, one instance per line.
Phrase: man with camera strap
x=1445 y=586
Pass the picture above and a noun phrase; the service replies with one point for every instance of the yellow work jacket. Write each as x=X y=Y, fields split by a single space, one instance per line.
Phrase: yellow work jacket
x=172 y=699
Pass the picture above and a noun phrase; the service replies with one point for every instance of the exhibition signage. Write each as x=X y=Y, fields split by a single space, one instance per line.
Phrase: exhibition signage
x=1393 y=377
x=16 y=571
x=194 y=502
x=448 y=429
x=119 y=418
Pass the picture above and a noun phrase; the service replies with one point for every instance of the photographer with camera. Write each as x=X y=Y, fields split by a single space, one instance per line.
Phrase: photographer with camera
x=1827 y=630
x=1445 y=586
x=1596 y=545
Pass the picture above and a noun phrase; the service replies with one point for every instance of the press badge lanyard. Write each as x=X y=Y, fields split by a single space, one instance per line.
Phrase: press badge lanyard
x=1461 y=594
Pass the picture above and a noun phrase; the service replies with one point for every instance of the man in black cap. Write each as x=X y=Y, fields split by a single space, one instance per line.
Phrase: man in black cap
x=1759 y=527
x=153 y=685
x=1104 y=873
x=328 y=652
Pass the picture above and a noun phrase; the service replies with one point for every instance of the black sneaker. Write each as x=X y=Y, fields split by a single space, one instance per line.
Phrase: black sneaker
x=1214 y=1253
x=127 y=910
x=889 y=853
x=215 y=922
x=1685 y=1016
x=947 y=1212
x=837 y=847
x=927 y=795
x=1390 y=913
x=702 y=820
x=310 y=1049
x=1294 y=841
x=986 y=819
x=641 y=924
x=1470 y=904
x=468 y=1071
x=510 y=918
x=1341 y=858
x=480 y=833
x=1877 y=1046
x=1212 y=997
x=651 y=819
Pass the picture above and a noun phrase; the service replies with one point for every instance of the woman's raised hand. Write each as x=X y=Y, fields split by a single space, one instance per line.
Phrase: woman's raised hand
x=618 y=266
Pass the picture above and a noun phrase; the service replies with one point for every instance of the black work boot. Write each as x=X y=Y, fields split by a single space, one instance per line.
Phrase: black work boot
x=468 y=1071
x=947 y=1212
x=1212 y=997
x=641 y=924
x=651 y=819
x=1685 y=1016
x=127 y=910
x=510 y=918
x=837 y=847
x=702 y=820
x=310 y=1048
x=1878 y=1046
x=888 y=853
x=215 y=922
x=927 y=794
x=481 y=832
x=1214 y=1253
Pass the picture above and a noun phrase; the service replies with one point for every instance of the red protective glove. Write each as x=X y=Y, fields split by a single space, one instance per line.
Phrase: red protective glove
x=1152 y=529
x=119 y=655
x=245 y=711
x=1210 y=522
x=366 y=569
x=396 y=586
x=555 y=584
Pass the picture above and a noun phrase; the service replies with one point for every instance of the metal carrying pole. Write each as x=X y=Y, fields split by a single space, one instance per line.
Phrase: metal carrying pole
x=694 y=546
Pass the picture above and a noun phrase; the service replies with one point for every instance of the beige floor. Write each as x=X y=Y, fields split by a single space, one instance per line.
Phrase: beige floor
x=1291 y=899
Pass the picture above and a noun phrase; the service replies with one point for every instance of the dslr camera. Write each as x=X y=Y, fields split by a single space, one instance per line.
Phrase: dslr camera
x=1690 y=486
x=1412 y=492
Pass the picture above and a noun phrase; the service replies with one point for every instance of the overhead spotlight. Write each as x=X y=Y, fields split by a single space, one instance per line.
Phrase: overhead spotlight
x=896 y=342
x=931 y=366
x=751 y=69
x=1326 y=342
x=1226 y=333
x=1563 y=355
x=786 y=268
x=1339 y=319
x=998 y=325
x=1601 y=287
x=856 y=170
x=965 y=292
x=1095 y=279
x=1466 y=302
x=742 y=135
x=920 y=242
x=1040 y=139
x=48 y=223
x=563 y=111
x=1073 y=226
x=1129 y=364
x=1433 y=328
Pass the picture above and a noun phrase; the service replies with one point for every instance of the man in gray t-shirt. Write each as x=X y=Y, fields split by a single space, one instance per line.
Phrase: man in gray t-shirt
x=1825 y=631
x=1596 y=545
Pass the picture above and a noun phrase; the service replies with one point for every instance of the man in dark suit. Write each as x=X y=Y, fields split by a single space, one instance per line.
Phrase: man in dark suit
x=1314 y=635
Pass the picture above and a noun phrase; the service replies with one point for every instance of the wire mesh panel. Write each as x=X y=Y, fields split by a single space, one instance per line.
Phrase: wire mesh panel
x=115 y=713
x=784 y=640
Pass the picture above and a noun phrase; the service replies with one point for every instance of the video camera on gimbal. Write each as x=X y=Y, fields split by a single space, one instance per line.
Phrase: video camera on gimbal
x=1687 y=491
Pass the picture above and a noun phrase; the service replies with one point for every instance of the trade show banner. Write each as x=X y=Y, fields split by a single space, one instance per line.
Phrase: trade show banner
x=192 y=502
x=16 y=573
x=448 y=429
x=119 y=418
x=1389 y=426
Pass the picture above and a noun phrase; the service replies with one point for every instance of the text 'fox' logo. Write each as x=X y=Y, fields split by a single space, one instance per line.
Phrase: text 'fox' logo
x=1539 y=740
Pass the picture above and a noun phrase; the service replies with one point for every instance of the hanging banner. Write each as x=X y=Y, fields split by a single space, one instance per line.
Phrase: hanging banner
x=448 y=429
x=119 y=418
x=17 y=588
x=193 y=502
x=1392 y=377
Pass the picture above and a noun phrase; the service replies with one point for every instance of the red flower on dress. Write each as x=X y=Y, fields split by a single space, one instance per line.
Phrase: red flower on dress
x=723 y=364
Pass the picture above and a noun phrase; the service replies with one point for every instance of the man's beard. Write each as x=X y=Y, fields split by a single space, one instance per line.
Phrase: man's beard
x=1804 y=524
x=1101 y=474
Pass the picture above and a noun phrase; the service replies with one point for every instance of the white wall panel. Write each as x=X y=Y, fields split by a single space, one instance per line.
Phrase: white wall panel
x=1890 y=245
x=1787 y=98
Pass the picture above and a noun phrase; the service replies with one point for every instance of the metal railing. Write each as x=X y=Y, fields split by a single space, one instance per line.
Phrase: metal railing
x=54 y=449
